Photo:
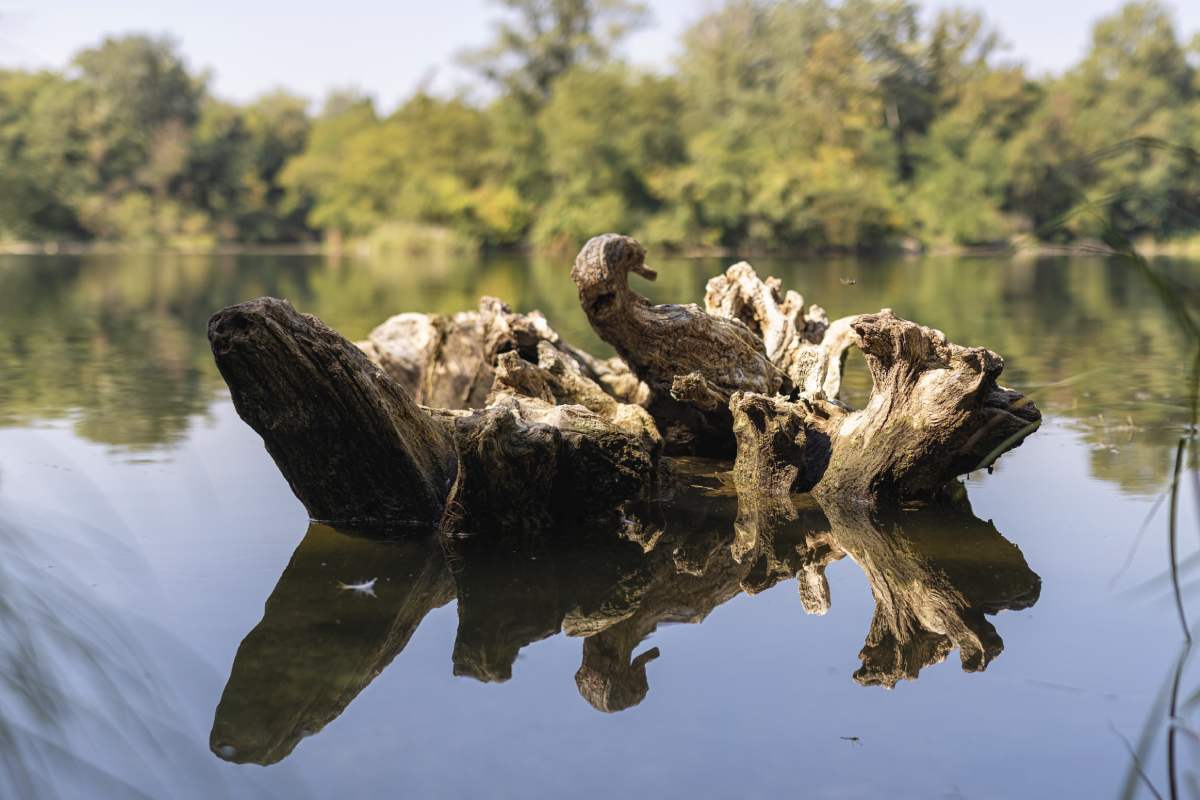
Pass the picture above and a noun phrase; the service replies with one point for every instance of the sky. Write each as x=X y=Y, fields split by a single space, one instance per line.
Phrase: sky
x=389 y=49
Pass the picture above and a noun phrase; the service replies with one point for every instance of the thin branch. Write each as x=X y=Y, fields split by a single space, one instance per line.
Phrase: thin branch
x=1172 y=541
x=1137 y=764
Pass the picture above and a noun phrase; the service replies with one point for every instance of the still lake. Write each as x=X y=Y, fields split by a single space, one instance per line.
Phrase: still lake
x=145 y=534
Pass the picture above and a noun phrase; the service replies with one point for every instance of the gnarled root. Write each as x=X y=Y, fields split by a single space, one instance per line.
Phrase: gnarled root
x=451 y=361
x=935 y=412
x=804 y=344
x=557 y=380
x=779 y=319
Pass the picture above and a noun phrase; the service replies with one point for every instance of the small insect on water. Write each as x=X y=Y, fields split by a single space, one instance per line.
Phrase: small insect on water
x=853 y=739
x=365 y=588
x=848 y=282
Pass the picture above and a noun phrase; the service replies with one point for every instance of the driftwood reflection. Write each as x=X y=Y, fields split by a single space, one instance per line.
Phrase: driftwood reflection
x=934 y=571
x=320 y=643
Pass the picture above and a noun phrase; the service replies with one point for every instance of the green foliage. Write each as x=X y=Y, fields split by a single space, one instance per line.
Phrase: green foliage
x=797 y=124
x=129 y=146
x=606 y=134
x=538 y=41
x=429 y=162
x=32 y=192
x=963 y=194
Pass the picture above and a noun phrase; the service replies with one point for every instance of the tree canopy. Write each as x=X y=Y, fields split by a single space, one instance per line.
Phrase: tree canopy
x=784 y=124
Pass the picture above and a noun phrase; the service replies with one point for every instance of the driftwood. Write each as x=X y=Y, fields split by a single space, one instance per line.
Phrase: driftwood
x=935 y=412
x=691 y=361
x=451 y=361
x=351 y=443
x=520 y=428
x=357 y=450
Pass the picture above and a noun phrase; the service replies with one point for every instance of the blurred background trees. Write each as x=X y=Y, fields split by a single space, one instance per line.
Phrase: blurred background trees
x=784 y=124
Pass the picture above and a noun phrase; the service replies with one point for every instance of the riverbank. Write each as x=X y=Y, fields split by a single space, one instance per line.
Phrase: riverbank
x=1185 y=248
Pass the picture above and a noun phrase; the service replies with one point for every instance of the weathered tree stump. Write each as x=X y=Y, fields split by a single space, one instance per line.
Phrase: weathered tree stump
x=525 y=427
x=935 y=412
x=351 y=443
x=357 y=450
x=450 y=361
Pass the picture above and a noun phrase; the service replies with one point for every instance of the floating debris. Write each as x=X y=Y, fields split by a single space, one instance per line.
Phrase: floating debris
x=364 y=588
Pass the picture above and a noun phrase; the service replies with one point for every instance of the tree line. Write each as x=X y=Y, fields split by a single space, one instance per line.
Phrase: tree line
x=782 y=124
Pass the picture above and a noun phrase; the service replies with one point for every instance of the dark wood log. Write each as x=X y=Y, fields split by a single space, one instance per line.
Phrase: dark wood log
x=533 y=427
x=691 y=361
x=351 y=443
x=357 y=450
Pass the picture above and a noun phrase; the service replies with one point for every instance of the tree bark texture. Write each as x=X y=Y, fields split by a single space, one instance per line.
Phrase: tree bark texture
x=935 y=412
x=691 y=361
x=357 y=450
x=350 y=441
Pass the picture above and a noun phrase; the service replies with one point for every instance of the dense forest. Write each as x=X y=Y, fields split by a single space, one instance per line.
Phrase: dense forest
x=783 y=124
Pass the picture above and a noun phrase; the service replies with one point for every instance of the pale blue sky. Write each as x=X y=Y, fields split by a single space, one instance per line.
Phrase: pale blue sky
x=389 y=48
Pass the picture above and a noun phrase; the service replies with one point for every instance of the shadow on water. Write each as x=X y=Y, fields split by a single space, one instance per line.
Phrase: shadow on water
x=346 y=606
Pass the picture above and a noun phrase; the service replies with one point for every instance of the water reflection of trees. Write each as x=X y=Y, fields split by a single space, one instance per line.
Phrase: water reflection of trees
x=934 y=573
x=117 y=343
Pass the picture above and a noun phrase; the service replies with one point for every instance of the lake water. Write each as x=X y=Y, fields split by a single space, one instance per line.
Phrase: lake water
x=168 y=616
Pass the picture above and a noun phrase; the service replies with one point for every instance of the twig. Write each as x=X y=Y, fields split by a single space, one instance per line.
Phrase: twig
x=1173 y=535
x=1137 y=764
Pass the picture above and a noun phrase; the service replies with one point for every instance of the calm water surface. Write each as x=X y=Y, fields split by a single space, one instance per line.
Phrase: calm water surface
x=171 y=625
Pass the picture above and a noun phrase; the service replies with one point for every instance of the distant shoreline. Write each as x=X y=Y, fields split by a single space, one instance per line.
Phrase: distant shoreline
x=908 y=248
